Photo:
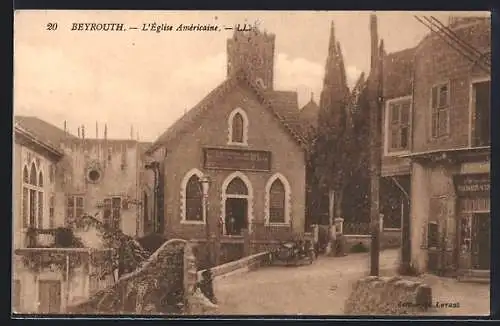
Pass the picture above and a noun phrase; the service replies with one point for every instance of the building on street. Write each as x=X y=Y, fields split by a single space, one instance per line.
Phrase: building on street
x=247 y=138
x=444 y=121
x=57 y=178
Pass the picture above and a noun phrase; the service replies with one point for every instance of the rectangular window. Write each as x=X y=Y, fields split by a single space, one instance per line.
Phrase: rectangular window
x=33 y=208
x=25 y=207
x=399 y=125
x=112 y=212
x=116 y=205
x=440 y=110
x=482 y=114
x=16 y=296
x=74 y=207
x=107 y=212
x=433 y=235
x=52 y=207
x=40 y=210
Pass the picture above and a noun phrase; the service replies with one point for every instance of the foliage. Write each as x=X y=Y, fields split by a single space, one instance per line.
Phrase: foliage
x=129 y=254
x=37 y=261
x=152 y=241
x=338 y=157
x=359 y=248
x=156 y=287
x=65 y=238
x=47 y=259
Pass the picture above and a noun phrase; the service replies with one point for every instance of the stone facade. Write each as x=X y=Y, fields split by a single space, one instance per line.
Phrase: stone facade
x=50 y=167
x=120 y=168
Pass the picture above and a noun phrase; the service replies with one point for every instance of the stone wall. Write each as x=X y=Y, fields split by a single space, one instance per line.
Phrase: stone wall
x=246 y=263
x=164 y=284
x=390 y=239
x=388 y=296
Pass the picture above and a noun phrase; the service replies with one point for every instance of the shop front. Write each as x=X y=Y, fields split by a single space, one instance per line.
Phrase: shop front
x=473 y=195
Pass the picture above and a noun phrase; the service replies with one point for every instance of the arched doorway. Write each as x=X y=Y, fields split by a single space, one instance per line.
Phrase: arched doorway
x=237 y=201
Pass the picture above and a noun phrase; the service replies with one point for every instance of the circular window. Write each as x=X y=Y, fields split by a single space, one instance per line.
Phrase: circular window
x=94 y=175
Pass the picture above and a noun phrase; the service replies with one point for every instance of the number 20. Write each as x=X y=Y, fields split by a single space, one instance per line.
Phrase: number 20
x=52 y=26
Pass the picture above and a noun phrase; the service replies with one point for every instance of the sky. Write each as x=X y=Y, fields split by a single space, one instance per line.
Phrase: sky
x=147 y=80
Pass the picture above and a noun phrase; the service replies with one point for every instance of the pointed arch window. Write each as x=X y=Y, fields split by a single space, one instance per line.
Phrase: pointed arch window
x=33 y=175
x=238 y=127
x=278 y=200
x=237 y=136
x=192 y=198
x=40 y=179
x=237 y=187
x=33 y=199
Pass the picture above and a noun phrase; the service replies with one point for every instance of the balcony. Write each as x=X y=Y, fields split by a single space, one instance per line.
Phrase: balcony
x=59 y=250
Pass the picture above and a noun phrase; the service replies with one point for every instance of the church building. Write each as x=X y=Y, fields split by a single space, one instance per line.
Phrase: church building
x=245 y=141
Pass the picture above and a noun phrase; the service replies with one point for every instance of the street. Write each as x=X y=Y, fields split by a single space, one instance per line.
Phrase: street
x=321 y=288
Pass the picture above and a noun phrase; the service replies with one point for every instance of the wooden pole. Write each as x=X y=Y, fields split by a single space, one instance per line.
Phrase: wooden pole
x=375 y=94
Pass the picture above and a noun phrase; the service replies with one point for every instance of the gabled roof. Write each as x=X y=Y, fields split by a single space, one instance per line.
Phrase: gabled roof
x=282 y=104
x=43 y=131
x=398 y=71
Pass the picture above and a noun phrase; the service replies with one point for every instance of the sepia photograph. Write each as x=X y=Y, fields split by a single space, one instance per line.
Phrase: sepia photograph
x=251 y=163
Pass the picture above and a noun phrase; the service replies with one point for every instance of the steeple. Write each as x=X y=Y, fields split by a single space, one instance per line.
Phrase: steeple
x=335 y=90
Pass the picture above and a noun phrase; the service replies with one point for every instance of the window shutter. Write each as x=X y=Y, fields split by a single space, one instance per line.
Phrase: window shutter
x=434 y=96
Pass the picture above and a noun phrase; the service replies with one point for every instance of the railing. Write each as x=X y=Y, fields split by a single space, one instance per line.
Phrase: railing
x=356 y=228
x=265 y=231
x=50 y=238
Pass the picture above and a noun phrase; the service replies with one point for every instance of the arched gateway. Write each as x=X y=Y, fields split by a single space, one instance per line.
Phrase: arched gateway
x=237 y=197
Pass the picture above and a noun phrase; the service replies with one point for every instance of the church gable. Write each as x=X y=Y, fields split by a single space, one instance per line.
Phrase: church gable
x=282 y=106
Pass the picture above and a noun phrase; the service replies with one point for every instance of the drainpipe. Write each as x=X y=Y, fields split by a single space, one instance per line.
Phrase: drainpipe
x=154 y=166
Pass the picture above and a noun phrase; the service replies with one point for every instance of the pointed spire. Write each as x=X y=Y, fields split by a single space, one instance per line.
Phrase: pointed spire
x=332 y=42
x=335 y=89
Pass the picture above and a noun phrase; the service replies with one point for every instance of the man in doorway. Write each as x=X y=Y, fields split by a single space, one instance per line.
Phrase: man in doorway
x=230 y=221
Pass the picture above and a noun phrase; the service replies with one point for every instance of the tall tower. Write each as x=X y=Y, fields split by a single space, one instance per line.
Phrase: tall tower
x=253 y=52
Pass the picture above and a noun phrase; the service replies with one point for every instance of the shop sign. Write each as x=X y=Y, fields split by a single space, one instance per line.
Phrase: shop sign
x=237 y=159
x=473 y=184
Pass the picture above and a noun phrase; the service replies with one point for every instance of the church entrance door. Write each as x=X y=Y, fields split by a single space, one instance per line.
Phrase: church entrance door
x=236 y=215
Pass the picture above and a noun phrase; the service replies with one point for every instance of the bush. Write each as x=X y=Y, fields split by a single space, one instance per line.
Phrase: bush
x=359 y=248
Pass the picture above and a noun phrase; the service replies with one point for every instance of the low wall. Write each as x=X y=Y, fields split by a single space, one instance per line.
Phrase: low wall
x=244 y=264
x=390 y=239
x=388 y=296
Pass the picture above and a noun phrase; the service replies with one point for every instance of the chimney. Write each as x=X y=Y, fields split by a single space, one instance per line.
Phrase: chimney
x=78 y=132
x=96 y=130
x=131 y=132
x=65 y=127
x=105 y=131
x=83 y=132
